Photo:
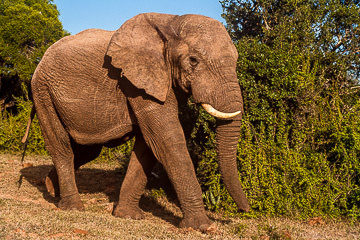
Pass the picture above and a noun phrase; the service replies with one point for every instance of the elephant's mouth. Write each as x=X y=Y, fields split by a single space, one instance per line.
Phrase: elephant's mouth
x=218 y=114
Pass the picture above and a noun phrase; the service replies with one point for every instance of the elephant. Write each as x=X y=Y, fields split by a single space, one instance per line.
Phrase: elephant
x=100 y=88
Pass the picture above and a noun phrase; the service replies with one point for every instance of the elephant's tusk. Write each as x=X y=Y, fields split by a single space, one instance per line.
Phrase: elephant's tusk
x=211 y=110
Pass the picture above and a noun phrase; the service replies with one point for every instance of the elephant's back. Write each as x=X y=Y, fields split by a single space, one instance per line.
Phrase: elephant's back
x=87 y=41
x=81 y=53
x=72 y=67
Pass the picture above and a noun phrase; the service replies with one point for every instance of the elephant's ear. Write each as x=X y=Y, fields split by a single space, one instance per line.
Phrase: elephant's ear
x=138 y=49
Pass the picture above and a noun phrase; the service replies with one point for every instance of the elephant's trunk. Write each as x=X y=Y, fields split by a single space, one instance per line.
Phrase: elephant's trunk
x=227 y=135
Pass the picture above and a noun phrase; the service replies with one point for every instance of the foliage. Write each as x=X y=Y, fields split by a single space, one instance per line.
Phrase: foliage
x=120 y=153
x=27 y=29
x=298 y=69
x=13 y=127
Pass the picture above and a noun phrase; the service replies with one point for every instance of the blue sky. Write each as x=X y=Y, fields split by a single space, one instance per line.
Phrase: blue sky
x=78 y=15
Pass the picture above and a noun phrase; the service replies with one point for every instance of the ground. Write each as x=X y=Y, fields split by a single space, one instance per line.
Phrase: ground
x=27 y=211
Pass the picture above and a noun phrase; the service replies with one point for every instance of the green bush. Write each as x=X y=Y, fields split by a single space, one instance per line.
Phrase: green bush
x=316 y=175
x=298 y=68
x=13 y=128
x=27 y=29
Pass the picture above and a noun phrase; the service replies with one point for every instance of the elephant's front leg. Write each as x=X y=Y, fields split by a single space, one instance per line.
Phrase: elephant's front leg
x=141 y=163
x=163 y=133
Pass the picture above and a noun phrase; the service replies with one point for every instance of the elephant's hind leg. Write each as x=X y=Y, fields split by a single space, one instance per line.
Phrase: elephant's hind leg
x=141 y=163
x=82 y=155
x=57 y=142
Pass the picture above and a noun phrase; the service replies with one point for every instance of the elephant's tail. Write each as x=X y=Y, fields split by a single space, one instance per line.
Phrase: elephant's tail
x=32 y=115
x=25 y=139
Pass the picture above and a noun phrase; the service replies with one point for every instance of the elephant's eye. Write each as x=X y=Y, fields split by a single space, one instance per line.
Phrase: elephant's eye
x=193 y=61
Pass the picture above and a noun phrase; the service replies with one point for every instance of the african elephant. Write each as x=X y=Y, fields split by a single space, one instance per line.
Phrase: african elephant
x=100 y=88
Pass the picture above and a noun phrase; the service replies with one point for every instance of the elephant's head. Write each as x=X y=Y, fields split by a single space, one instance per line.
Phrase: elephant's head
x=195 y=53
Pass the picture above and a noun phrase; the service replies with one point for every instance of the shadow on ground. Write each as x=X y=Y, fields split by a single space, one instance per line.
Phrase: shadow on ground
x=108 y=182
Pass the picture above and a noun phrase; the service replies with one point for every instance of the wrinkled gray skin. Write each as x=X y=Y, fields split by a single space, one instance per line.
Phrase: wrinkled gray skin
x=99 y=88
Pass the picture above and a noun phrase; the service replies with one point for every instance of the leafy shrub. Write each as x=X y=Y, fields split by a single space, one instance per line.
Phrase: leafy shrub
x=301 y=178
x=298 y=152
x=13 y=128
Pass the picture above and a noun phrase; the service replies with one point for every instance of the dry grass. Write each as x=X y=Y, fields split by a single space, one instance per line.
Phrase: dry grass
x=29 y=212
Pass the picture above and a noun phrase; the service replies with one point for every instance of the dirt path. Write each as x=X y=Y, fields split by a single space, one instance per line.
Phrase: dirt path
x=27 y=211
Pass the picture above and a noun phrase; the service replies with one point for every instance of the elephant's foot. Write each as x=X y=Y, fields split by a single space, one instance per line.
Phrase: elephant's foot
x=72 y=202
x=52 y=183
x=128 y=212
x=198 y=222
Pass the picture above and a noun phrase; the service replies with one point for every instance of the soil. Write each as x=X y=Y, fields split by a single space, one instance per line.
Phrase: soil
x=28 y=211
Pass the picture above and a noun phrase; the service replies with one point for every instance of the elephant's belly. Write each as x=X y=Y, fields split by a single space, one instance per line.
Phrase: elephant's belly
x=92 y=121
x=108 y=136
